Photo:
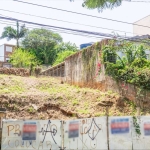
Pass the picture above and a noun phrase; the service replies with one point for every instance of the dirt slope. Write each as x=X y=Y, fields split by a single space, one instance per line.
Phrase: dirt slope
x=47 y=98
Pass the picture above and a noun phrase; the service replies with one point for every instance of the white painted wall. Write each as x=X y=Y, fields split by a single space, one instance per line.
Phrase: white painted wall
x=148 y=54
x=1 y=52
x=139 y=30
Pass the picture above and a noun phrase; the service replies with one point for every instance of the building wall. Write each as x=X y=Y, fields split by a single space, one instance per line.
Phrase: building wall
x=8 y=50
x=2 y=53
x=139 y=30
x=85 y=45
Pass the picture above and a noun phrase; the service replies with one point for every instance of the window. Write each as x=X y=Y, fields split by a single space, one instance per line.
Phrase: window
x=7 y=59
x=148 y=56
x=8 y=49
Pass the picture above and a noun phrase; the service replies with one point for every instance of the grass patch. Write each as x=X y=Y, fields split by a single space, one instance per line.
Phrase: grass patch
x=13 y=86
x=31 y=110
x=99 y=114
x=75 y=102
x=83 y=111
x=100 y=98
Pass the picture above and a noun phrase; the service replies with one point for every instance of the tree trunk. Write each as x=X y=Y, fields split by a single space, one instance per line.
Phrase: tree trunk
x=17 y=38
x=17 y=43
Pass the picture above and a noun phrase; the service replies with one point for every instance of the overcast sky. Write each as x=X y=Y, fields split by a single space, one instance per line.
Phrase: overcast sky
x=129 y=12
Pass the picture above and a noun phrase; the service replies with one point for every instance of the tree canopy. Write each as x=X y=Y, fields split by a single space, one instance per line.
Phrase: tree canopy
x=11 y=33
x=42 y=43
x=101 y=4
x=66 y=47
x=61 y=56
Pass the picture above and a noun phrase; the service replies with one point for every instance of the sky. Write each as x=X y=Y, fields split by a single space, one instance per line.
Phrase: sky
x=128 y=12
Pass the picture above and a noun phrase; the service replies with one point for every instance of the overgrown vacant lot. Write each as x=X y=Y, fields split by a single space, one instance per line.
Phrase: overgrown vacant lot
x=47 y=98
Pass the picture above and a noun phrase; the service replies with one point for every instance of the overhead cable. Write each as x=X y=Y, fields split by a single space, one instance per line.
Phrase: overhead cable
x=78 y=13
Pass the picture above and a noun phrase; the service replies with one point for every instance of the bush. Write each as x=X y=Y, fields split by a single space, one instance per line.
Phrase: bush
x=62 y=56
x=140 y=63
x=23 y=59
x=134 y=75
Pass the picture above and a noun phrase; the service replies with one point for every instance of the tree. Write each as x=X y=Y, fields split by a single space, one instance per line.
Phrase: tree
x=22 y=58
x=130 y=50
x=42 y=43
x=62 y=56
x=66 y=47
x=101 y=4
x=11 y=33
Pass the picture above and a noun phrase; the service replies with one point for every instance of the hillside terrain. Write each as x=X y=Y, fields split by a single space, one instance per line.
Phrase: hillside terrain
x=48 y=98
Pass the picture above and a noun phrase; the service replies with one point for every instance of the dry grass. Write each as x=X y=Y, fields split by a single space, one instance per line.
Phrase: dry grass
x=24 y=97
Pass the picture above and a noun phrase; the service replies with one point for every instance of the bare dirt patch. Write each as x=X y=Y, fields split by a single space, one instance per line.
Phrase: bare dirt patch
x=47 y=98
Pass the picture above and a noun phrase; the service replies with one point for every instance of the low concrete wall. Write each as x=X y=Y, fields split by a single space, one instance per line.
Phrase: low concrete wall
x=57 y=71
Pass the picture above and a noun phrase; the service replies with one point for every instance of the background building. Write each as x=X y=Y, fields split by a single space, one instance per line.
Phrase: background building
x=139 y=30
x=5 y=52
x=85 y=45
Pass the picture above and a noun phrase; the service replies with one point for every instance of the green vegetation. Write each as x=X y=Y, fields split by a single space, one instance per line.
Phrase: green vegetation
x=83 y=111
x=13 y=86
x=23 y=59
x=66 y=47
x=75 y=102
x=89 y=57
x=137 y=126
x=46 y=97
x=101 y=4
x=42 y=43
x=61 y=56
x=132 y=68
x=31 y=110
x=17 y=34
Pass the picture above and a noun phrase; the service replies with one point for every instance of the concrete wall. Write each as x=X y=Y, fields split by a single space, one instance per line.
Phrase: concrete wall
x=74 y=68
x=56 y=71
x=139 y=30
x=82 y=73
x=2 y=53
x=141 y=98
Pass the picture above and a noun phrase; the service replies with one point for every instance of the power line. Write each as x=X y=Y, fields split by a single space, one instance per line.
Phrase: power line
x=79 y=13
x=62 y=28
x=69 y=22
x=78 y=31
x=65 y=21
x=59 y=31
x=56 y=27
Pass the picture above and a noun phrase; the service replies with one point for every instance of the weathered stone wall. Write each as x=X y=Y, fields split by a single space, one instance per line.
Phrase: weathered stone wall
x=130 y=91
x=74 y=68
x=83 y=71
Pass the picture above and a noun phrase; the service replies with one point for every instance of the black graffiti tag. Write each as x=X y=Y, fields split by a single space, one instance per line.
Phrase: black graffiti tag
x=93 y=136
x=44 y=132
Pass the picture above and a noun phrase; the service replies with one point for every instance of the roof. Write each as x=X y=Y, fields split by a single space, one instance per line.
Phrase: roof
x=143 y=37
x=141 y=19
x=8 y=44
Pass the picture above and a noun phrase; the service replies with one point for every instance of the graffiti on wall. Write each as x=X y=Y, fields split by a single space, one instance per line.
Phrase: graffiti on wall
x=85 y=134
x=45 y=134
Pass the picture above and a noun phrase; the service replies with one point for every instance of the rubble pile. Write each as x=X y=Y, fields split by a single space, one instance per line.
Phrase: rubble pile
x=15 y=71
